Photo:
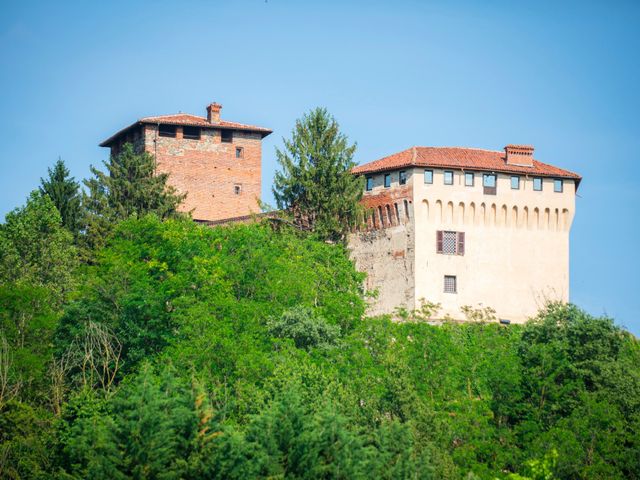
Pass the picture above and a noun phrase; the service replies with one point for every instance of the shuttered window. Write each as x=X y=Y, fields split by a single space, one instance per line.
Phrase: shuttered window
x=450 y=243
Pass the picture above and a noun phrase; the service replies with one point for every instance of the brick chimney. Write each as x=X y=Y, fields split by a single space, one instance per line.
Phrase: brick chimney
x=213 y=112
x=521 y=155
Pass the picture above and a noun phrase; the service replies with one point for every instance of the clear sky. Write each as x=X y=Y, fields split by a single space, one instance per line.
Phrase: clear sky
x=563 y=76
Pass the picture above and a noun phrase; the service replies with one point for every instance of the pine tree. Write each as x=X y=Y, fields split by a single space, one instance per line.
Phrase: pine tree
x=64 y=191
x=315 y=183
x=129 y=187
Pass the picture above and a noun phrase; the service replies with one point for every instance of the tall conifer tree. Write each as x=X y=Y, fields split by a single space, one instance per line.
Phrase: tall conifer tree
x=315 y=183
x=64 y=191
x=129 y=187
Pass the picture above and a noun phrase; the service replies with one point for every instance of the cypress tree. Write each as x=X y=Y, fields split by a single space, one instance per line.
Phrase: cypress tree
x=315 y=184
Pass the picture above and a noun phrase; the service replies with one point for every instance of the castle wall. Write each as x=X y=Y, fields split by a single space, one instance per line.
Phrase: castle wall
x=516 y=244
x=385 y=250
x=208 y=171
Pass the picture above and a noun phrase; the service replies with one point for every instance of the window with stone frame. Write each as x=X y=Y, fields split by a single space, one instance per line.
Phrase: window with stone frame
x=449 y=242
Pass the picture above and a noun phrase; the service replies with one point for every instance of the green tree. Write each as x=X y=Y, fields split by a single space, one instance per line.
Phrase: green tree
x=35 y=249
x=304 y=328
x=64 y=191
x=129 y=187
x=315 y=184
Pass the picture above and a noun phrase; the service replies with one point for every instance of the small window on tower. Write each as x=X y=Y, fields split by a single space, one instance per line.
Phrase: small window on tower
x=192 y=133
x=450 y=284
x=403 y=178
x=468 y=179
x=428 y=176
x=387 y=180
x=226 y=136
x=237 y=189
x=557 y=185
x=537 y=184
x=167 y=130
x=448 y=177
x=239 y=152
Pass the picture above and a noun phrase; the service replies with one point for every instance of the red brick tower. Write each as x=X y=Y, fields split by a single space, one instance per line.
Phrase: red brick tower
x=216 y=162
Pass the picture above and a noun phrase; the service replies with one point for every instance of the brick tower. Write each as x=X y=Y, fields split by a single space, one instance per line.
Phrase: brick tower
x=217 y=163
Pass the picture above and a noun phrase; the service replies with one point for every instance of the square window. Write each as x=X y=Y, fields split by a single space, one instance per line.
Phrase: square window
x=192 y=133
x=450 y=284
x=403 y=178
x=237 y=189
x=468 y=179
x=226 y=136
x=428 y=176
x=537 y=184
x=387 y=180
x=515 y=182
x=167 y=130
x=557 y=185
x=239 y=152
x=448 y=177
x=449 y=240
x=489 y=183
x=369 y=184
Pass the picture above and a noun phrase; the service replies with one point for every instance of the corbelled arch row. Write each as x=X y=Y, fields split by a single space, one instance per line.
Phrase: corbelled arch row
x=486 y=214
x=497 y=215
x=387 y=215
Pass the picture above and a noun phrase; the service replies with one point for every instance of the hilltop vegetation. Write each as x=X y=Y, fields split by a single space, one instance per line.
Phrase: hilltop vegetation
x=241 y=352
x=137 y=344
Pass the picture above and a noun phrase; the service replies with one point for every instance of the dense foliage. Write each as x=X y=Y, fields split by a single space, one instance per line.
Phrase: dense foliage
x=130 y=186
x=315 y=184
x=237 y=352
x=171 y=350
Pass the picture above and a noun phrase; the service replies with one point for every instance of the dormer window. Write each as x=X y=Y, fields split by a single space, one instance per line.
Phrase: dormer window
x=167 y=131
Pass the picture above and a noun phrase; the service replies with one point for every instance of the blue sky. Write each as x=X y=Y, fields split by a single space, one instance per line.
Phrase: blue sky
x=563 y=76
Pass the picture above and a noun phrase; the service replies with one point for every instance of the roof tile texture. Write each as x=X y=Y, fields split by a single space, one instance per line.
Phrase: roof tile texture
x=460 y=158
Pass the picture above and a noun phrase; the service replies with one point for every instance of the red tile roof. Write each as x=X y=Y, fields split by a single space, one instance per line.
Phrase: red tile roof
x=460 y=158
x=188 y=120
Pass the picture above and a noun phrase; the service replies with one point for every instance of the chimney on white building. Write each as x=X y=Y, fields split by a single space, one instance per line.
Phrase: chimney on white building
x=213 y=112
x=520 y=155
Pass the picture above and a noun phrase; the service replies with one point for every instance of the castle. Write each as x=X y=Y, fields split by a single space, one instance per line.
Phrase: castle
x=454 y=226
x=466 y=227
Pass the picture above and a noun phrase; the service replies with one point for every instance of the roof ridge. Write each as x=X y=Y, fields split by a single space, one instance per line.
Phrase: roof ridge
x=462 y=148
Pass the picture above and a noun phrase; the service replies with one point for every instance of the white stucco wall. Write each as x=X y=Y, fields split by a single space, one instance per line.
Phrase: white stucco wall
x=516 y=244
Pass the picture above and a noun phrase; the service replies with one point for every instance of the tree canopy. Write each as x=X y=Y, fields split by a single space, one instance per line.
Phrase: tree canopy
x=315 y=184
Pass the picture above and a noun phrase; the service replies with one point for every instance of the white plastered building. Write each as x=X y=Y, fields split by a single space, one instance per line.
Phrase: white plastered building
x=466 y=227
